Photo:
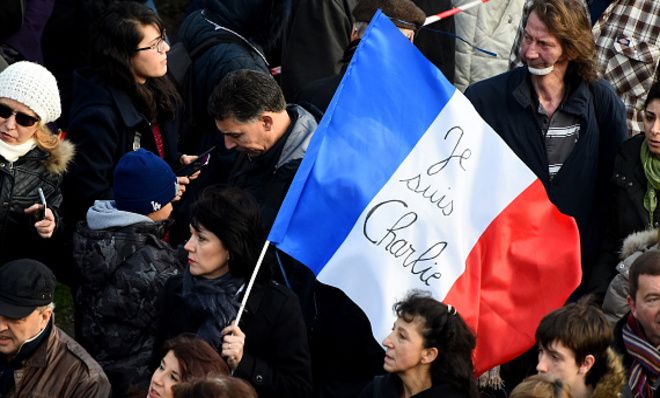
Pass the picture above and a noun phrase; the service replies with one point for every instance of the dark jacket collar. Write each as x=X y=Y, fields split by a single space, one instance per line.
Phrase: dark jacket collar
x=575 y=102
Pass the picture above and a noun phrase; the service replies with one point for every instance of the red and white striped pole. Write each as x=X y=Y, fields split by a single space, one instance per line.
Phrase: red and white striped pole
x=453 y=11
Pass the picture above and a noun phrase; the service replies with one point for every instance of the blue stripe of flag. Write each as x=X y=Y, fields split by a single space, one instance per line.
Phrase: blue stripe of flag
x=386 y=101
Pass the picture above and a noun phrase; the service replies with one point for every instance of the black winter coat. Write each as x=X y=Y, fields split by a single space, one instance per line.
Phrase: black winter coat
x=214 y=64
x=122 y=272
x=505 y=102
x=390 y=386
x=105 y=124
x=276 y=354
x=626 y=212
x=18 y=190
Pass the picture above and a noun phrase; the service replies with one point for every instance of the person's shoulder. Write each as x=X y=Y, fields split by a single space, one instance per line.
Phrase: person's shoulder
x=496 y=88
x=60 y=157
x=601 y=86
x=606 y=98
x=174 y=284
x=273 y=298
x=305 y=121
x=75 y=352
x=442 y=390
x=499 y=81
x=630 y=147
x=276 y=291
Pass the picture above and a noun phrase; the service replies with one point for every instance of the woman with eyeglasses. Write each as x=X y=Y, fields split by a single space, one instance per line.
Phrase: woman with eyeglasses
x=122 y=102
x=31 y=159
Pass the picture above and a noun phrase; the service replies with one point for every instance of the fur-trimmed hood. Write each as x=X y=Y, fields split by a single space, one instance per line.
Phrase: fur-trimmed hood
x=638 y=241
x=59 y=158
x=611 y=384
x=615 y=302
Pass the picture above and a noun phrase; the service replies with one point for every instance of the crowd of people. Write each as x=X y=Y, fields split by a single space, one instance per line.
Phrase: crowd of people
x=150 y=197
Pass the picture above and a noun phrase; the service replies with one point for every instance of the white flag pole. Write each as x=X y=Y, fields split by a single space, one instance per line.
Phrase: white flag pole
x=251 y=283
x=453 y=11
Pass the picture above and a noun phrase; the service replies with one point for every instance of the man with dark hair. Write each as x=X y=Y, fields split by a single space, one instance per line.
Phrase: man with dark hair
x=270 y=136
x=574 y=347
x=36 y=357
x=558 y=117
x=637 y=334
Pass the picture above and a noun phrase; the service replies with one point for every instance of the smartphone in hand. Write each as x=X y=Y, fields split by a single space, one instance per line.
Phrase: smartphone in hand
x=42 y=214
x=196 y=165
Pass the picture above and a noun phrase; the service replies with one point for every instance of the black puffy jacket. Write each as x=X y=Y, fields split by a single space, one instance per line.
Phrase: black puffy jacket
x=18 y=190
x=122 y=272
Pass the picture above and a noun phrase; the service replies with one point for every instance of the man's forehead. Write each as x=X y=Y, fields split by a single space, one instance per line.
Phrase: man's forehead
x=558 y=346
x=649 y=283
x=536 y=27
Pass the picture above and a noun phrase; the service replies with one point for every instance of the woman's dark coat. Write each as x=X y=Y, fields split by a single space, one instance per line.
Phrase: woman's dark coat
x=105 y=124
x=626 y=212
x=276 y=355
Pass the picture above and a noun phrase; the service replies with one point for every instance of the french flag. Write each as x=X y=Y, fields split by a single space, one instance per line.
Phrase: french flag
x=405 y=187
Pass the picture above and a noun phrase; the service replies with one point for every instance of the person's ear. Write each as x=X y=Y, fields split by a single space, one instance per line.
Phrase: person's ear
x=631 y=305
x=587 y=364
x=44 y=316
x=429 y=355
x=354 y=33
x=267 y=121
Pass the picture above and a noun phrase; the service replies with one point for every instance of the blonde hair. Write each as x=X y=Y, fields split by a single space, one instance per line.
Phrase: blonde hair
x=538 y=386
x=45 y=138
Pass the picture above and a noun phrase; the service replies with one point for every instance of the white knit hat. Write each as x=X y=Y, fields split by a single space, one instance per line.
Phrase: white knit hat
x=33 y=86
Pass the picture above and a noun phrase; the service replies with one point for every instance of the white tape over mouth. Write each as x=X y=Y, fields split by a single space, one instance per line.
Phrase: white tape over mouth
x=540 y=71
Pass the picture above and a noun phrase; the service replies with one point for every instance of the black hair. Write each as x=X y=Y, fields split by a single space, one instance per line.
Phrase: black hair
x=233 y=216
x=244 y=95
x=114 y=41
x=646 y=264
x=654 y=93
x=445 y=330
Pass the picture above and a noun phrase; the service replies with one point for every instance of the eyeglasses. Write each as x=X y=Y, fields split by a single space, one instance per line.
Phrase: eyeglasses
x=159 y=46
x=22 y=119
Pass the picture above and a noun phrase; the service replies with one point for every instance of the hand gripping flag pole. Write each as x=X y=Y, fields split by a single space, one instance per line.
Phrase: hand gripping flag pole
x=446 y=14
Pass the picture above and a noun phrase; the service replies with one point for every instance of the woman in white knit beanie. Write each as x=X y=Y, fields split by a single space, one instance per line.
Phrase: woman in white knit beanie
x=31 y=157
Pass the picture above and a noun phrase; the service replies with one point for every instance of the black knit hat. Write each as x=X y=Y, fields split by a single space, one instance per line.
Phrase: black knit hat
x=403 y=13
x=25 y=285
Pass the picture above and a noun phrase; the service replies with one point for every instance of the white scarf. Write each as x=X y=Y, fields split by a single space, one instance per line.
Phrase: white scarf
x=12 y=152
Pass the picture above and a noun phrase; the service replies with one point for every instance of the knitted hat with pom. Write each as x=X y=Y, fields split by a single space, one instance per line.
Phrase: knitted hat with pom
x=143 y=182
x=33 y=86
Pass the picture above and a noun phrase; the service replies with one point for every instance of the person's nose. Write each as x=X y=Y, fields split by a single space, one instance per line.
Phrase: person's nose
x=166 y=46
x=4 y=325
x=158 y=378
x=530 y=51
x=10 y=122
x=189 y=245
x=542 y=366
x=655 y=128
x=387 y=342
x=229 y=142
